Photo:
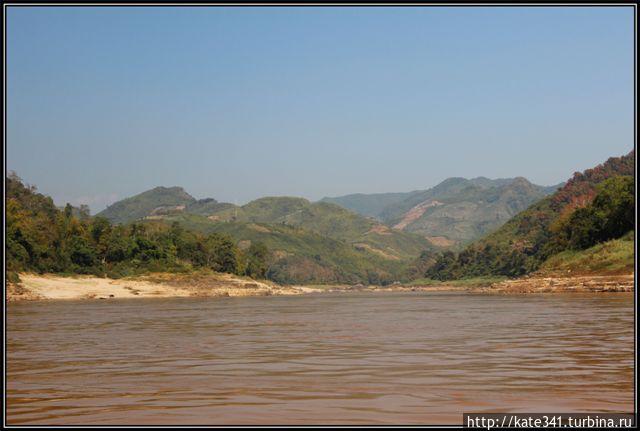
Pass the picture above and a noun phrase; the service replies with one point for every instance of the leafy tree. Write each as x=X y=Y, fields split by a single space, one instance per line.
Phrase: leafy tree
x=446 y=267
x=257 y=260
x=615 y=204
x=81 y=252
x=221 y=253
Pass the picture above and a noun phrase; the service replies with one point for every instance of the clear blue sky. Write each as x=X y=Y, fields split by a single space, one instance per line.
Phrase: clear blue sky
x=238 y=103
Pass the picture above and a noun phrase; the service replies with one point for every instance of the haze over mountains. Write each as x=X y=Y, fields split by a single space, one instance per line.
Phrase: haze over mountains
x=452 y=213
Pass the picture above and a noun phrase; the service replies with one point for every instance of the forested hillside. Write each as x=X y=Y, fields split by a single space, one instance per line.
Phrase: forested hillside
x=594 y=206
x=42 y=238
x=302 y=256
x=329 y=220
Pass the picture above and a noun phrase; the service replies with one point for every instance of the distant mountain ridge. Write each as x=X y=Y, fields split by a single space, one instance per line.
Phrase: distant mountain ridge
x=310 y=241
x=323 y=218
x=451 y=214
x=454 y=212
x=384 y=206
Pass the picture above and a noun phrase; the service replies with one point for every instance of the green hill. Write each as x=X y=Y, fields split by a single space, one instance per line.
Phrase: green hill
x=144 y=204
x=299 y=255
x=207 y=206
x=454 y=212
x=329 y=220
x=308 y=242
x=313 y=242
x=523 y=243
x=322 y=218
x=158 y=202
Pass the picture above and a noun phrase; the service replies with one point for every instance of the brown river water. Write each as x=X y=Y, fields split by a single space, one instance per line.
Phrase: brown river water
x=350 y=358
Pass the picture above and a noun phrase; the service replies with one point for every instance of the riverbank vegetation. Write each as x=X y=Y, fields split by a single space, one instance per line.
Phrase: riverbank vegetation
x=44 y=239
x=608 y=258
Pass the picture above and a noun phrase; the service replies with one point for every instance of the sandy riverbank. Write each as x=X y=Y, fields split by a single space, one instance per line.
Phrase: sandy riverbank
x=548 y=284
x=164 y=285
x=43 y=287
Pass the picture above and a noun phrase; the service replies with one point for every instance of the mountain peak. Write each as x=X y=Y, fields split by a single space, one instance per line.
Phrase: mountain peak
x=145 y=203
x=521 y=181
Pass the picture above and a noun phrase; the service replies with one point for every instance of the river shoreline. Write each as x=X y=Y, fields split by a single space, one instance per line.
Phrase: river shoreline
x=163 y=285
x=563 y=284
x=47 y=287
x=56 y=287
